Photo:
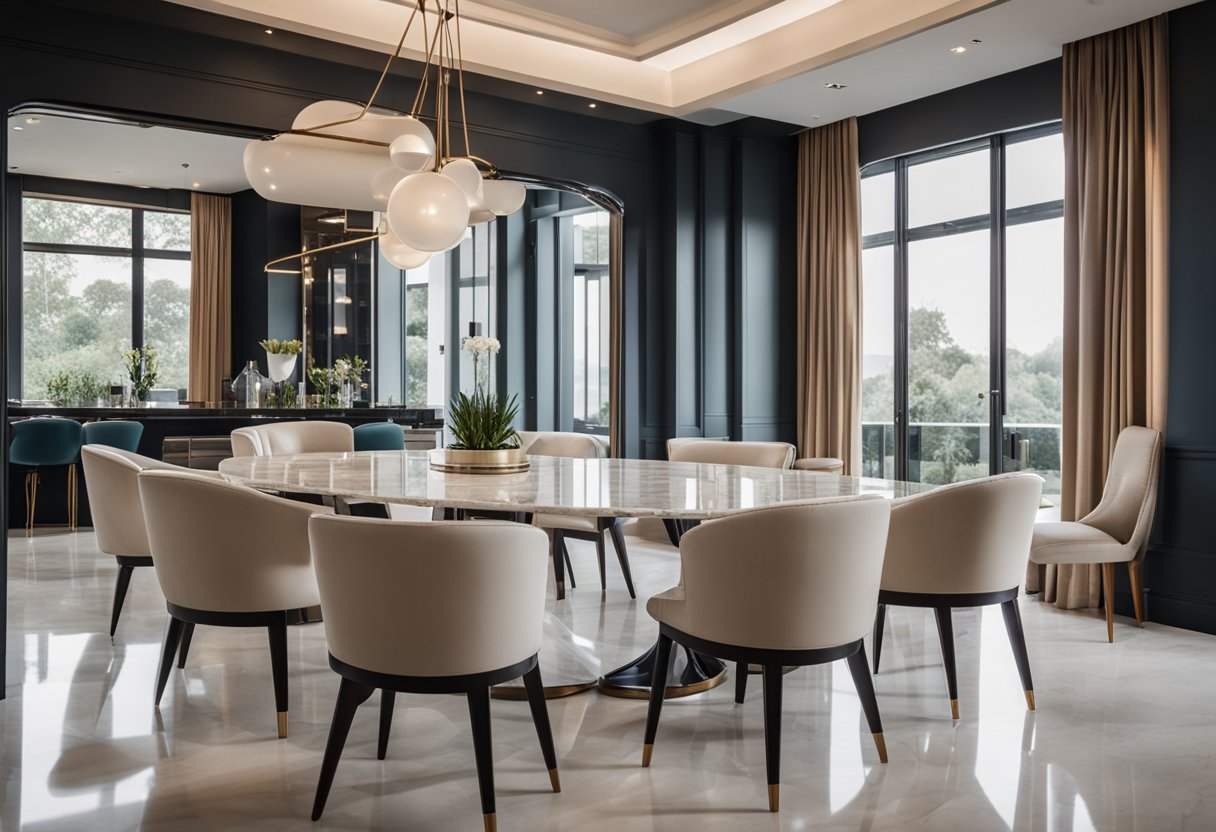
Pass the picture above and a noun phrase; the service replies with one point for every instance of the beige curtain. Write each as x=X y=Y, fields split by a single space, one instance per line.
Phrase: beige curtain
x=1116 y=144
x=829 y=294
x=210 y=295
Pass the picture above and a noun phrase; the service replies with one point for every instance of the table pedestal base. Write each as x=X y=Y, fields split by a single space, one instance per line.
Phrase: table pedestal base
x=693 y=673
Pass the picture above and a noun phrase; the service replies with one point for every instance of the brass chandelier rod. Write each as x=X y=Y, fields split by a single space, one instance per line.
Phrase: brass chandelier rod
x=269 y=267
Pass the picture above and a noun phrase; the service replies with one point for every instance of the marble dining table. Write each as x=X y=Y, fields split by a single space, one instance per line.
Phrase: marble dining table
x=631 y=488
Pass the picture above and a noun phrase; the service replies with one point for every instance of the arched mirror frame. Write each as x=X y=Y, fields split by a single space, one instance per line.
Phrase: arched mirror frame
x=599 y=197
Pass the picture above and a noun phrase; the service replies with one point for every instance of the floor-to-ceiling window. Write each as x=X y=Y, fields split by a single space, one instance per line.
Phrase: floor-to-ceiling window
x=98 y=279
x=962 y=293
x=589 y=341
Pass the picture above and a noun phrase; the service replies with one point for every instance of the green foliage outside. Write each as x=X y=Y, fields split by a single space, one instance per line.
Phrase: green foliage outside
x=416 y=313
x=68 y=329
x=943 y=387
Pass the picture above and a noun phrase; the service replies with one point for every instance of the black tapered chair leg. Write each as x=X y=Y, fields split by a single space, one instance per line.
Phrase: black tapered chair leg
x=479 y=715
x=740 y=682
x=880 y=622
x=173 y=636
x=278 y=669
x=388 y=698
x=869 y=702
x=599 y=554
x=535 y=689
x=658 y=689
x=772 y=733
x=120 y=595
x=558 y=543
x=622 y=555
x=945 y=633
x=1017 y=640
x=184 y=649
x=350 y=696
x=569 y=565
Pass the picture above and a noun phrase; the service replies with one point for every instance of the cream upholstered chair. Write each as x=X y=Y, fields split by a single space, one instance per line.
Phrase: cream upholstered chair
x=229 y=556
x=561 y=526
x=962 y=545
x=1117 y=530
x=443 y=607
x=792 y=585
x=820 y=464
x=111 y=480
x=304 y=437
x=756 y=454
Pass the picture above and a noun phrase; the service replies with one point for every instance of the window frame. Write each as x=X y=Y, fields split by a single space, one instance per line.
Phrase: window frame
x=137 y=252
x=997 y=220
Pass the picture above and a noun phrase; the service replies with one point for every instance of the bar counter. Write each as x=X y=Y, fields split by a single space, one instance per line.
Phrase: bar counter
x=208 y=420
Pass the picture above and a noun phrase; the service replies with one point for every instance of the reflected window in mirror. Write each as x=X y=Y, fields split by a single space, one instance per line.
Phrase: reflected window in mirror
x=87 y=270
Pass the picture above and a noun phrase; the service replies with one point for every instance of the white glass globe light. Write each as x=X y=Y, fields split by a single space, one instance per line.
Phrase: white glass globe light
x=428 y=211
x=481 y=215
x=302 y=170
x=464 y=173
x=401 y=255
x=413 y=149
x=383 y=184
x=503 y=197
x=467 y=235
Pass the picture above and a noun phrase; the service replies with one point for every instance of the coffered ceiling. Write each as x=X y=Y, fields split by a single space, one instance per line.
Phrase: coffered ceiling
x=799 y=61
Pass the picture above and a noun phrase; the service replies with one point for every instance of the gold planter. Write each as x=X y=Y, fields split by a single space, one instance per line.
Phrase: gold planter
x=462 y=461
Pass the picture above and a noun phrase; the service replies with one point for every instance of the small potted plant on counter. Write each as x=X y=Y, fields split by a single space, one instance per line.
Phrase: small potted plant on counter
x=482 y=424
x=142 y=367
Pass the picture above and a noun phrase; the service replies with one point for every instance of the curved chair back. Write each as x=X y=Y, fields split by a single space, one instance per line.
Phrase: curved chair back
x=757 y=454
x=113 y=432
x=379 y=436
x=794 y=577
x=293 y=438
x=430 y=599
x=227 y=548
x=528 y=437
x=118 y=514
x=45 y=440
x=572 y=445
x=1129 y=498
x=969 y=537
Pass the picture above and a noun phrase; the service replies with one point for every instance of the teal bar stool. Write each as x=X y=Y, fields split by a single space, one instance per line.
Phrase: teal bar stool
x=381 y=436
x=42 y=442
x=114 y=433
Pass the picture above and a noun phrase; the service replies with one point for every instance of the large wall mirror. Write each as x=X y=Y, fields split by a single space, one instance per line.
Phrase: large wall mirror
x=100 y=261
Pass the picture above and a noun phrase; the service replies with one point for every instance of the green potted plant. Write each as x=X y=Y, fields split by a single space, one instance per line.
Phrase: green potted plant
x=142 y=367
x=482 y=424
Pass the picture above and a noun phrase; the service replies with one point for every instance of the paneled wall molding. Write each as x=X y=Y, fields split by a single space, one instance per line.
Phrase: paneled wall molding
x=1198 y=452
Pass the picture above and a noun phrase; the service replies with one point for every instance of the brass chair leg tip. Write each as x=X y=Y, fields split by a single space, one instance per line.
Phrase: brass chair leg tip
x=491 y=822
x=555 y=780
x=774 y=797
x=282 y=725
x=881 y=744
x=647 y=750
x=954 y=708
x=1030 y=699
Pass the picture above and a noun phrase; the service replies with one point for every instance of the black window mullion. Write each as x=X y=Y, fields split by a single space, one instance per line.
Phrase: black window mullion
x=996 y=305
x=137 y=277
x=900 y=263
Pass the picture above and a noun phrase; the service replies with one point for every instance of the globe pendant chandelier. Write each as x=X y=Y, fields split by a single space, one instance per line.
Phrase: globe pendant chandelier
x=344 y=155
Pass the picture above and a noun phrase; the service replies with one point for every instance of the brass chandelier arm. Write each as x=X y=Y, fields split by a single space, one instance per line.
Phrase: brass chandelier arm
x=302 y=254
x=464 y=116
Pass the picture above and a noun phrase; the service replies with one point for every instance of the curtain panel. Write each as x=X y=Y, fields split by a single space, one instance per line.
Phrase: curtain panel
x=829 y=294
x=210 y=295
x=1116 y=144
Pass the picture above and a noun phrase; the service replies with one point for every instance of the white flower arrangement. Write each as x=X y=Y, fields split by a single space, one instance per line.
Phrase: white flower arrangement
x=478 y=345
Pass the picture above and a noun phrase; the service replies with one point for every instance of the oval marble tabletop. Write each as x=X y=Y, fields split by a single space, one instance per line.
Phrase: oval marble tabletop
x=554 y=485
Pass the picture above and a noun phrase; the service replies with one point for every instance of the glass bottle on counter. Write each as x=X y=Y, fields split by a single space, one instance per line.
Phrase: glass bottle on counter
x=251 y=386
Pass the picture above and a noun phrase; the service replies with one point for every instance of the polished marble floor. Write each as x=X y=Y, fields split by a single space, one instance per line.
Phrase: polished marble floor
x=1124 y=738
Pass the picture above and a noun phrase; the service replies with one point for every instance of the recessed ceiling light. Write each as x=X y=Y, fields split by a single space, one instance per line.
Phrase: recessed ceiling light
x=593 y=105
x=832 y=85
x=18 y=127
x=145 y=187
x=268 y=31
x=194 y=185
x=32 y=121
x=540 y=92
x=958 y=50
